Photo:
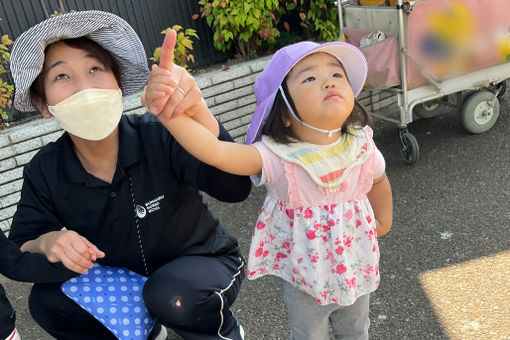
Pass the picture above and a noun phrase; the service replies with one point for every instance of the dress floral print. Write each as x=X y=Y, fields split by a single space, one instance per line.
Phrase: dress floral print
x=328 y=250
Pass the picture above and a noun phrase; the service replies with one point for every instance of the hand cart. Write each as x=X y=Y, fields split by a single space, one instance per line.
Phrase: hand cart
x=427 y=51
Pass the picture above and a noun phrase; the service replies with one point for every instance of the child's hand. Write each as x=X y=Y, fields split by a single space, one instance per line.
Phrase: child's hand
x=171 y=90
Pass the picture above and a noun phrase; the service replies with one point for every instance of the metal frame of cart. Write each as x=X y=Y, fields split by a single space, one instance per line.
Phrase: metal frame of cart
x=476 y=92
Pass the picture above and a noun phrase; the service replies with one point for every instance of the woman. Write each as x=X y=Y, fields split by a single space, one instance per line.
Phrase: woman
x=119 y=189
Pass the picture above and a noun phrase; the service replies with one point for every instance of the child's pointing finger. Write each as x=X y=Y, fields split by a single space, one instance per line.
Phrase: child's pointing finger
x=166 y=57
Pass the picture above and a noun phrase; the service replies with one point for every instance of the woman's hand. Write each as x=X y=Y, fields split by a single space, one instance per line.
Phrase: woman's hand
x=171 y=90
x=74 y=251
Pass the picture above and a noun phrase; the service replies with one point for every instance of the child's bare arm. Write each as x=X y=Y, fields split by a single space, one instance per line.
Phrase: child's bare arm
x=238 y=159
x=381 y=200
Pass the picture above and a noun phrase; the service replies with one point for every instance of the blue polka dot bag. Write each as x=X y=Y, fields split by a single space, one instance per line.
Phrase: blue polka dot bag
x=113 y=295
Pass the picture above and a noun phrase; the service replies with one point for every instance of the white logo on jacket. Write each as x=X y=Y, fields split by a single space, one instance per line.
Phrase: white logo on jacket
x=149 y=207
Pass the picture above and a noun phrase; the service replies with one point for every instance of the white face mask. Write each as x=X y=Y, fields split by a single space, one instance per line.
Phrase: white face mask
x=90 y=114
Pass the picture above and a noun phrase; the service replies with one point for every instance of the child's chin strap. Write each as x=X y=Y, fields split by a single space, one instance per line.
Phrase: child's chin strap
x=329 y=132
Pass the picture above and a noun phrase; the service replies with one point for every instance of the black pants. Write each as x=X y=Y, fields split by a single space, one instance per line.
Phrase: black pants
x=191 y=295
x=7 y=315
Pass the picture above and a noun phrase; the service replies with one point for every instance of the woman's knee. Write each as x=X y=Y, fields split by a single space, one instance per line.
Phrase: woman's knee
x=173 y=302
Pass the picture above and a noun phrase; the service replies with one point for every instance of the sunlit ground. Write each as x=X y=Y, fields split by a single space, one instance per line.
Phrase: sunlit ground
x=472 y=299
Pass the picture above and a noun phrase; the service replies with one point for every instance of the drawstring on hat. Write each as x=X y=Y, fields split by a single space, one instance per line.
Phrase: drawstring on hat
x=329 y=132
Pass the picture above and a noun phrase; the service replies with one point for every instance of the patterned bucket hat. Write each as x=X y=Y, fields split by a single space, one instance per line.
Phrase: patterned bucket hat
x=113 y=33
x=267 y=83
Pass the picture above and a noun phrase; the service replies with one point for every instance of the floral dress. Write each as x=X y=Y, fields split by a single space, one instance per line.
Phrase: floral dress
x=316 y=228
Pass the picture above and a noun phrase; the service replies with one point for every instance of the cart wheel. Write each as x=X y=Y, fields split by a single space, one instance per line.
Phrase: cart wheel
x=480 y=112
x=409 y=148
x=427 y=110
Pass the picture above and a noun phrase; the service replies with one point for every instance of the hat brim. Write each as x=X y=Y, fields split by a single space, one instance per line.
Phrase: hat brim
x=113 y=33
x=353 y=62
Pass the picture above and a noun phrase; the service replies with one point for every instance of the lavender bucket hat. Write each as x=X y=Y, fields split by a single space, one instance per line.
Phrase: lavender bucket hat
x=267 y=83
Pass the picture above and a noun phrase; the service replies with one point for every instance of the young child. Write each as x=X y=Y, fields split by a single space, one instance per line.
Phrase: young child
x=23 y=266
x=328 y=197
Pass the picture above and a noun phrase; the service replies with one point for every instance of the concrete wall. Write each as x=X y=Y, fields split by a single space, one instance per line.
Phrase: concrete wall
x=228 y=93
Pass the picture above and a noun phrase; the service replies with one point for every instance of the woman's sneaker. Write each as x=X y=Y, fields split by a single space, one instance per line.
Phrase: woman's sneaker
x=241 y=330
x=14 y=335
x=158 y=332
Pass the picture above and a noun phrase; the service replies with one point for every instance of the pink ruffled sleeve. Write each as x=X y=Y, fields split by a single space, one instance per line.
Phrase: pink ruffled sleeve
x=265 y=175
x=379 y=162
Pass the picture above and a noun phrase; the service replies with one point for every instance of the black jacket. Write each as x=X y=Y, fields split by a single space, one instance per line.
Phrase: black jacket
x=151 y=213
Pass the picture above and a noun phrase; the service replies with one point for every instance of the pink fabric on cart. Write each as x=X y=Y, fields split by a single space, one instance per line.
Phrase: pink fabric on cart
x=382 y=59
x=447 y=37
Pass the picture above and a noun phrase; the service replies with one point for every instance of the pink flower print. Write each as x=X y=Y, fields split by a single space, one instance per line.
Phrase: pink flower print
x=300 y=260
x=262 y=271
x=358 y=223
x=318 y=301
x=261 y=211
x=280 y=256
x=317 y=226
x=290 y=213
x=308 y=213
x=330 y=257
x=337 y=241
x=376 y=269
x=310 y=234
x=335 y=300
x=259 y=252
x=281 y=205
x=276 y=267
x=286 y=245
x=369 y=219
x=351 y=283
x=252 y=273
x=265 y=253
x=374 y=249
x=331 y=222
x=370 y=234
x=303 y=282
x=356 y=209
x=368 y=269
x=260 y=225
x=340 y=269
x=291 y=224
x=325 y=239
x=347 y=241
x=326 y=208
x=348 y=214
x=295 y=270
x=333 y=206
x=339 y=250
x=314 y=258
x=326 y=228
x=324 y=294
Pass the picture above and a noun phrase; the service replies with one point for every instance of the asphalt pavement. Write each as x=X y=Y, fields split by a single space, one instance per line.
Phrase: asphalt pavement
x=444 y=265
